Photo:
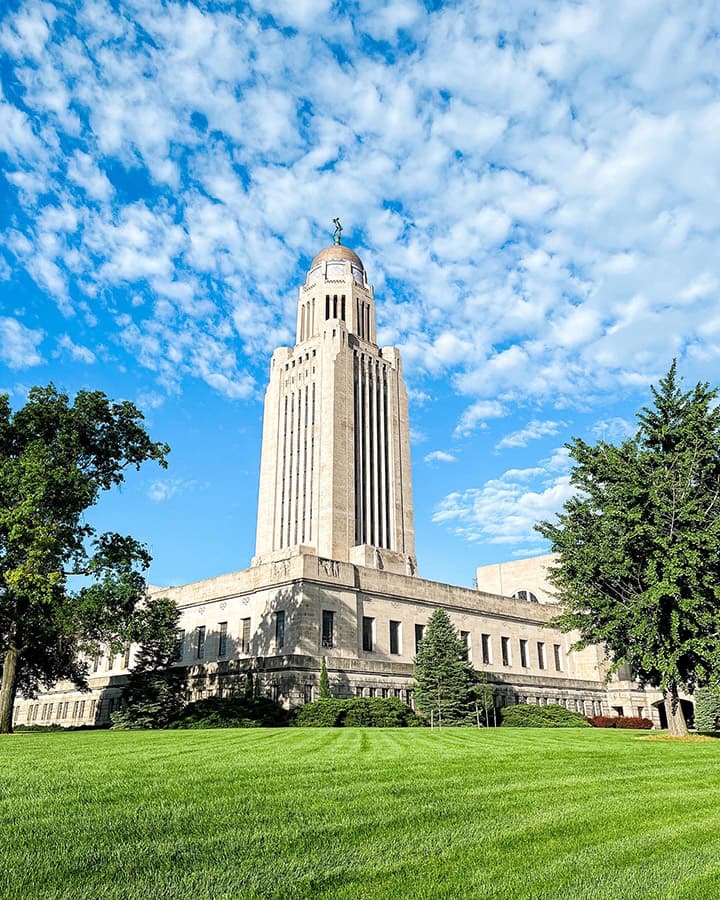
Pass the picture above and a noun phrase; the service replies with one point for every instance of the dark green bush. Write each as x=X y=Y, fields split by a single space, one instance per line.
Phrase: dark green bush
x=552 y=716
x=368 y=712
x=231 y=712
x=707 y=709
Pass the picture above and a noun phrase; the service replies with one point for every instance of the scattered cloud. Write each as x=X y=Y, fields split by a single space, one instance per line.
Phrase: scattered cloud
x=76 y=352
x=165 y=489
x=440 y=456
x=476 y=415
x=19 y=344
x=613 y=430
x=533 y=431
x=505 y=509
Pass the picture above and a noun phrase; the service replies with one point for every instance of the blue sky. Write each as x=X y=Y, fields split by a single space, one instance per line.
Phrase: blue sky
x=533 y=189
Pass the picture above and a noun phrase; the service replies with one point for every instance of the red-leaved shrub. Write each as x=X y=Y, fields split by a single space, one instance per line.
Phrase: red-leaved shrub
x=620 y=722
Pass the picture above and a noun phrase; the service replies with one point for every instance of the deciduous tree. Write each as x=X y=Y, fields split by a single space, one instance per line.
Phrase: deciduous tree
x=56 y=456
x=639 y=545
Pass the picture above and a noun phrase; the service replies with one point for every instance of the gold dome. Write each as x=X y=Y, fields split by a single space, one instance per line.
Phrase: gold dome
x=337 y=252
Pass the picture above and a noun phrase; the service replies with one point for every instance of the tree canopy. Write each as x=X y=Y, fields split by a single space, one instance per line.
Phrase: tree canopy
x=56 y=457
x=443 y=677
x=638 y=546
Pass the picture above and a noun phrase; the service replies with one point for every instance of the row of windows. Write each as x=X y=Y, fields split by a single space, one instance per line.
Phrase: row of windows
x=74 y=710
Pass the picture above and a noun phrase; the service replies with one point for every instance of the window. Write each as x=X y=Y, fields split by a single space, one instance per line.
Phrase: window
x=307 y=693
x=358 y=692
x=200 y=642
x=465 y=638
x=505 y=650
x=245 y=636
x=558 y=657
x=486 y=649
x=93 y=705
x=419 y=632
x=541 y=654
x=327 y=627
x=280 y=628
x=524 y=654
x=96 y=662
x=81 y=713
x=394 y=637
x=76 y=704
x=222 y=639
x=368 y=633
x=180 y=644
x=526 y=595
x=126 y=657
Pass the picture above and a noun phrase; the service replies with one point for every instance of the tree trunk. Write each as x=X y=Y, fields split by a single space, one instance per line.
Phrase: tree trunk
x=8 y=688
x=677 y=727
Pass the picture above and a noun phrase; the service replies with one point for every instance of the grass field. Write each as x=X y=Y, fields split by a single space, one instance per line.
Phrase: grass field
x=358 y=813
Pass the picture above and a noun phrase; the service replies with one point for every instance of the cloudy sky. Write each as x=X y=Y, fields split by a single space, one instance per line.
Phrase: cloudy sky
x=534 y=190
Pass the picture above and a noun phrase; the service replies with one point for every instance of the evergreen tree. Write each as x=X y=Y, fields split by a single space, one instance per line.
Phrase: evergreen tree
x=443 y=677
x=155 y=692
x=639 y=544
x=707 y=709
x=324 y=681
x=56 y=457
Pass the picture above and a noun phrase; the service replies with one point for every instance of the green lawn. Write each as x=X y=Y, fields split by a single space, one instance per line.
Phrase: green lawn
x=358 y=813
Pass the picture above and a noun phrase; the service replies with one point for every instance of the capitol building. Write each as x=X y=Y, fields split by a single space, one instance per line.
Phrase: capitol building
x=335 y=573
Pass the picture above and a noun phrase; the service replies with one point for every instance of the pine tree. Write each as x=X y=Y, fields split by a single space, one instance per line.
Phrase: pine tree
x=639 y=545
x=443 y=678
x=324 y=681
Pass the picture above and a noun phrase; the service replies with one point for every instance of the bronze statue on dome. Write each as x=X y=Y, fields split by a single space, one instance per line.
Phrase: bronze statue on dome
x=338 y=230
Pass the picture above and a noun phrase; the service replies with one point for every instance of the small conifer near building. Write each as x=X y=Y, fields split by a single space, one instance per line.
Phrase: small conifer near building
x=443 y=678
x=324 y=681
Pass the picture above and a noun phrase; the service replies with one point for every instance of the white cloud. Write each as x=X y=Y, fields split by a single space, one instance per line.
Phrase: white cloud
x=439 y=456
x=19 y=344
x=505 y=509
x=475 y=416
x=76 y=351
x=165 y=489
x=533 y=431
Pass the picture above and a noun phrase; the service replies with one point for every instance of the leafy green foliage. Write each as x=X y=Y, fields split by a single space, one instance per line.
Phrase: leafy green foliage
x=324 y=681
x=55 y=459
x=443 y=678
x=552 y=716
x=707 y=709
x=155 y=692
x=639 y=545
x=231 y=712
x=370 y=712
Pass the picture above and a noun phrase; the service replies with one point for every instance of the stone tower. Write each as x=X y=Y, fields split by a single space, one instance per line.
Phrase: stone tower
x=335 y=468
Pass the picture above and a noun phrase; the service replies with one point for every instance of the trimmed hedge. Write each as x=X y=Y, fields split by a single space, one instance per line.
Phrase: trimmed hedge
x=620 y=722
x=231 y=712
x=367 y=712
x=526 y=715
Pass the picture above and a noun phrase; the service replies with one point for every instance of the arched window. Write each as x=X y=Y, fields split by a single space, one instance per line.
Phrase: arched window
x=526 y=595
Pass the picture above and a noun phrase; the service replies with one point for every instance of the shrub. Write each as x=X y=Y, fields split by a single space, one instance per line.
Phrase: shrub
x=552 y=716
x=231 y=712
x=620 y=722
x=369 y=712
x=707 y=709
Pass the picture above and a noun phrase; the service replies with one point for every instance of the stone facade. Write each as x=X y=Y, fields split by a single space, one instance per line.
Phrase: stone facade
x=335 y=573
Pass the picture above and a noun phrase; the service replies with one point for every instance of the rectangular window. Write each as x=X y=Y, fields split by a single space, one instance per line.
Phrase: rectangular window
x=541 y=654
x=126 y=657
x=59 y=711
x=505 y=651
x=96 y=662
x=486 y=649
x=81 y=713
x=327 y=627
x=245 y=636
x=383 y=692
x=394 y=637
x=200 y=642
x=419 y=632
x=180 y=644
x=280 y=628
x=222 y=639
x=465 y=638
x=307 y=693
x=524 y=662
x=358 y=692
x=49 y=711
x=93 y=705
x=557 y=653
x=368 y=633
